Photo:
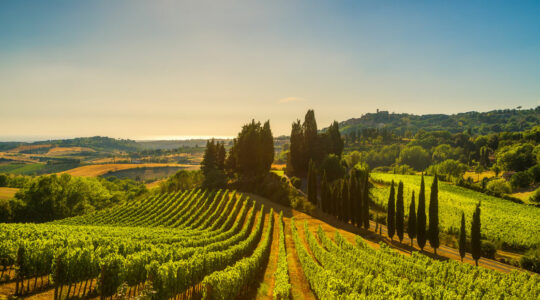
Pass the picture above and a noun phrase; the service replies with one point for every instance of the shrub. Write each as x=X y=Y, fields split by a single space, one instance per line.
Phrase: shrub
x=448 y=169
x=535 y=172
x=531 y=260
x=535 y=197
x=499 y=186
x=488 y=249
x=415 y=156
x=521 y=179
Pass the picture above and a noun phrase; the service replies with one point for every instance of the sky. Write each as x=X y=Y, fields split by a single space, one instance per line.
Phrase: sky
x=158 y=69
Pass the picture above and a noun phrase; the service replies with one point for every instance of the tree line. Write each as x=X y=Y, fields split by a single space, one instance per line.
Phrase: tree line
x=418 y=225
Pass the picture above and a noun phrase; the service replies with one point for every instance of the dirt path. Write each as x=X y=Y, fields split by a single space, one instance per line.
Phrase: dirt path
x=266 y=287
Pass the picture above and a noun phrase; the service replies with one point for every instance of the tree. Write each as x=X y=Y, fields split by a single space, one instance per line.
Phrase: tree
x=324 y=194
x=462 y=238
x=476 y=243
x=414 y=156
x=365 y=204
x=391 y=214
x=210 y=157
x=421 y=216
x=296 y=155
x=311 y=139
x=399 y=212
x=253 y=152
x=334 y=139
x=411 y=225
x=220 y=155
x=434 y=215
x=312 y=184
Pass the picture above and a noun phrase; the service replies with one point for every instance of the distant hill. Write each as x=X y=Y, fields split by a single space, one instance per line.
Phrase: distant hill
x=477 y=122
x=99 y=143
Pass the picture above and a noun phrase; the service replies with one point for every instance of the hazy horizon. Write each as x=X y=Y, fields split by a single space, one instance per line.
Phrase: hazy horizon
x=133 y=69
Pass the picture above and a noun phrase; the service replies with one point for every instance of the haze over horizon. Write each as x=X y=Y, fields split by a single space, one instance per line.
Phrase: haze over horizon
x=136 y=69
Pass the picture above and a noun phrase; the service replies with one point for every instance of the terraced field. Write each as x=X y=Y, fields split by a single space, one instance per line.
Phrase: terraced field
x=222 y=245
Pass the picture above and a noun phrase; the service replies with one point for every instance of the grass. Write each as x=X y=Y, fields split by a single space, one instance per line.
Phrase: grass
x=7 y=193
x=478 y=176
x=515 y=225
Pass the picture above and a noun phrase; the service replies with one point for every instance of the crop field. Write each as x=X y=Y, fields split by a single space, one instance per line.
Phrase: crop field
x=513 y=224
x=7 y=193
x=98 y=170
x=216 y=245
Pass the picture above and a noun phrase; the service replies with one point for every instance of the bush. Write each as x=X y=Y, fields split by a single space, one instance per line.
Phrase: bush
x=531 y=260
x=403 y=169
x=448 y=169
x=535 y=172
x=521 y=179
x=333 y=167
x=488 y=249
x=535 y=197
x=415 y=156
x=499 y=186
x=296 y=182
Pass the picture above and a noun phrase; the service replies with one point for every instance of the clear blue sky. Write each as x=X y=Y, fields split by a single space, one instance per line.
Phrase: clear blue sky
x=168 y=68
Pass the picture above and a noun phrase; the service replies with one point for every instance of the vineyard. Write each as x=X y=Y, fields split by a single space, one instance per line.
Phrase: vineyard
x=511 y=224
x=201 y=244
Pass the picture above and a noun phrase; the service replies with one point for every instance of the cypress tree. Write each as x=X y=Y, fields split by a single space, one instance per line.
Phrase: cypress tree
x=391 y=213
x=476 y=243
x=352 y=199
x=344 y=200
x=312 y=184
x=434 y=215
x=359 y=214
x=295 y=160
x=421 y=216
x=365 y=205
x=399 y=212
x=462 y=238
x=411 y=225
x=324 y=193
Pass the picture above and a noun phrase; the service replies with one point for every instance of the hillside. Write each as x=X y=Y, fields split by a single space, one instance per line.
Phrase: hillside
x=224 y=245
x=478 y=122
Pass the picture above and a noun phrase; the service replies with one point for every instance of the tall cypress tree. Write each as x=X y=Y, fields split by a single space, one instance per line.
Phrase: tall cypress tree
x=462 y=238
x=352 y=199
x=345 y=200
x=359 y=214
x=411 y=225
x=434 y=215
x=400 y=212
x=476 y=243
x=311 y=139
x=295 y=160
x=312 y=184
x=324 y=193
x=421 y=216
x=391 y=213
x=365 y=204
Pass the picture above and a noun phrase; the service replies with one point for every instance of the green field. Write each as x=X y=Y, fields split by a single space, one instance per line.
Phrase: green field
x=512 y=224
x=36 y=168
x=144 y=173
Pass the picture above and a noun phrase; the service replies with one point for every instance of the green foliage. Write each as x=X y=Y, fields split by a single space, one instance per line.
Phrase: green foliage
x=421 y=216
x=411 y=222
x=333 y=168
x=52 y=197
x=252 y=152
x=476 y=242
x=448 y=169
x=433 y=230
x=517 y=157
x=511 y=225
x=182 y=180
x=535 y=197
x=499 y=186
x=400 y=213
x=521 y=179
x=296 y=182
x=391 y=212
x=477 y=122
x=282 y=287
x=414 y=156
x=531 y=260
